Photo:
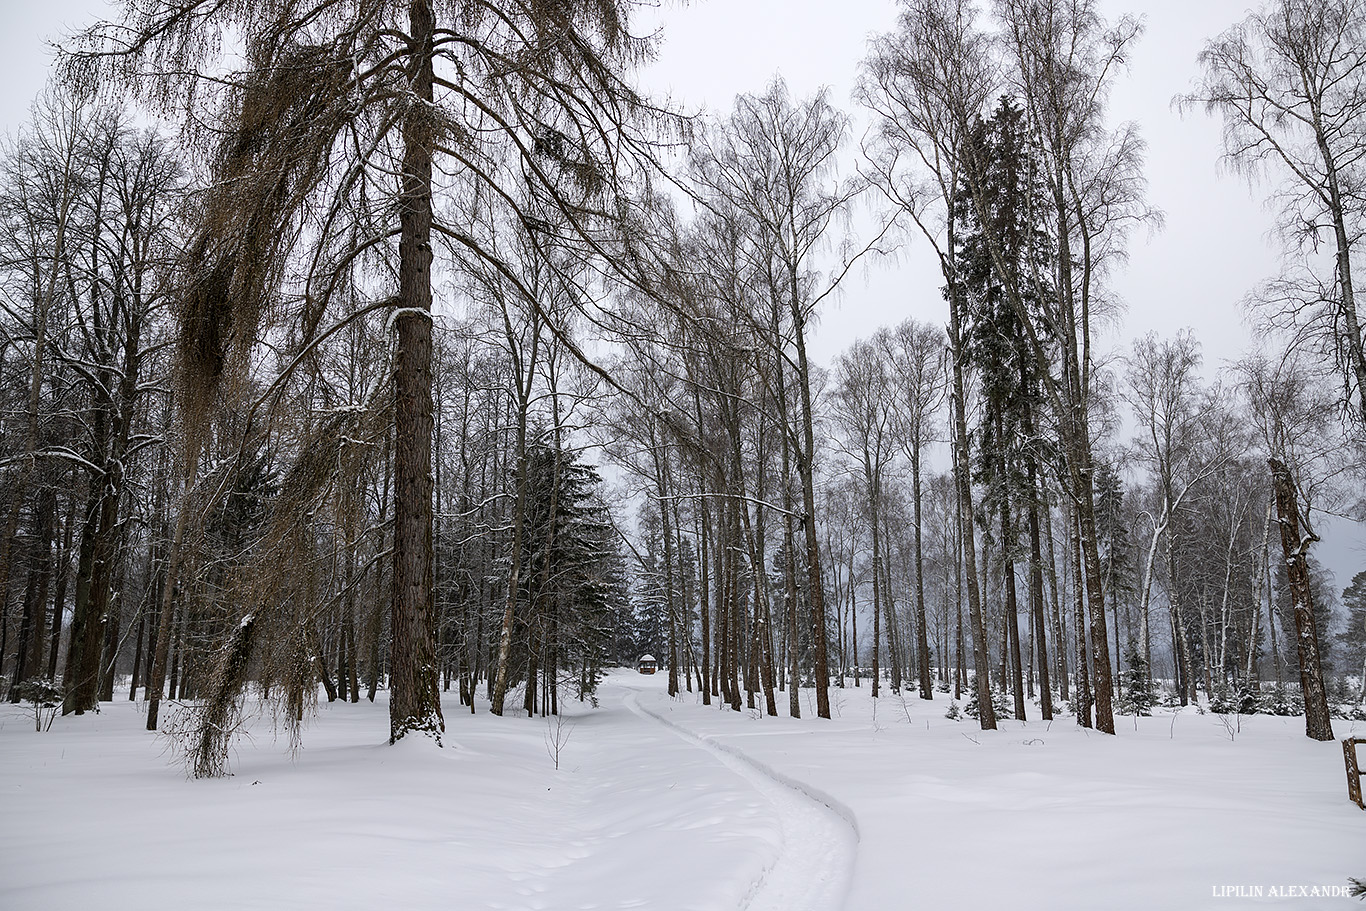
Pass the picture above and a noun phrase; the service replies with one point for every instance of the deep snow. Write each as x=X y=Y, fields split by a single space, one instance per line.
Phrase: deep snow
x=668 y=804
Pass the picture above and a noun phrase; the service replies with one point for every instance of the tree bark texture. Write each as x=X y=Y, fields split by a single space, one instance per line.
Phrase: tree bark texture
x=414 y=699
x=1295 y=543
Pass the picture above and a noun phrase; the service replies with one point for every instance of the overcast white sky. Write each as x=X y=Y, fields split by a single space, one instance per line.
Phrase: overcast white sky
x=1193 y=273
x=1214 y=248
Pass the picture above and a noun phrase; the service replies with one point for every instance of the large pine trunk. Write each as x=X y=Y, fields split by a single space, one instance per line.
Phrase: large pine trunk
x=414 y=699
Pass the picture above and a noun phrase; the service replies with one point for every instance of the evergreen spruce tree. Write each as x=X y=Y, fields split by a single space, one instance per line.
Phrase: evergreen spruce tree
x=572 y=580
x=648 y=597
x=1324 y=599
x=1005 y=215
x=1352 y=639
x=1135 y=685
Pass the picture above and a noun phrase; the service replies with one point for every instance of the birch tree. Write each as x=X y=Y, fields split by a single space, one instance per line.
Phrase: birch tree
x=925 y=83
x=1294 y=418
x=774 y=160
x=1168 y=400
x=916 y=353
x=1289 y=83
x=863 y=410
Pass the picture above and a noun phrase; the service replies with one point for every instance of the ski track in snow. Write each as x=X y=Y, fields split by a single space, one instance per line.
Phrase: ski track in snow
x=815 y=861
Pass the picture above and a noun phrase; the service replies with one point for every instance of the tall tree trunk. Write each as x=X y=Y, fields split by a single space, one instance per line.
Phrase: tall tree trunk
x=375 y=626
x=877 y=610
x=1012 y=618
x=137 y=656
x=666 y=529
x=63 y=571
x=23 y=652
x=1185 y=672
x=1012 y=603
x=735 y=619
x=90 y=620
x=761 y=636
x=47 y=506
x=794 y=705
x=959 y=679
x=1036 y=602
x=704 y=599
x=922 y=641
x=895 y=644
x=806 y=469
x=719 y=686
x=1084 y=700
x=1102 y=691
x=414 y=698
x=113 y=626
x=166 y=614
x=1145 y=599
x=1295 y=543
x=1203 y=610
x=962 y=473
x=1261 y=566
x=1055 y=603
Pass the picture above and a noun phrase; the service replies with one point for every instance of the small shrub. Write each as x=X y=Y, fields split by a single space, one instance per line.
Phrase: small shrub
x=1136 y=688
x=998 y=702
x=1225 y=701
x=45 y=697
x=1283 y=699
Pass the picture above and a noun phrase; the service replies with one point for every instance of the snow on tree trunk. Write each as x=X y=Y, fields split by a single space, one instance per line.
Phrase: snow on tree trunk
x=414 y=701
x=1295 y=544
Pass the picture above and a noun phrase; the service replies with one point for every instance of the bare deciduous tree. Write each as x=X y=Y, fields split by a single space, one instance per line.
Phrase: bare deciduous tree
x=1293 y=413
x=916 y=353
x=774 y=161
x=926 y=83
x=1289 y=82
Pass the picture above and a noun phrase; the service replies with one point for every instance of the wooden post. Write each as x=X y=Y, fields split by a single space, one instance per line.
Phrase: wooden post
x=1349 y=753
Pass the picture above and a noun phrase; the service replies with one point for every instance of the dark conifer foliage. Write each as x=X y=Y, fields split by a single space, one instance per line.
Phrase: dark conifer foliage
x=574 y=580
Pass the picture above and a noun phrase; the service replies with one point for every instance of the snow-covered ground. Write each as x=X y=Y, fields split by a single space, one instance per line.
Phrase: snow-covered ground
x=667 y=804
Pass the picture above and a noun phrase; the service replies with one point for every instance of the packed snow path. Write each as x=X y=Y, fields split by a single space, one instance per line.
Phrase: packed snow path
x=635 y=816
x=819 y=839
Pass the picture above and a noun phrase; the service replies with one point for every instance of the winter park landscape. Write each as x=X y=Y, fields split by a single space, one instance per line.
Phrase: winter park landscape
x=607 y=454
x=664 y=803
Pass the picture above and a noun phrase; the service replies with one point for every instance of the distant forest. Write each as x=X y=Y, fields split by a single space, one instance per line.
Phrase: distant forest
x=414 y=348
